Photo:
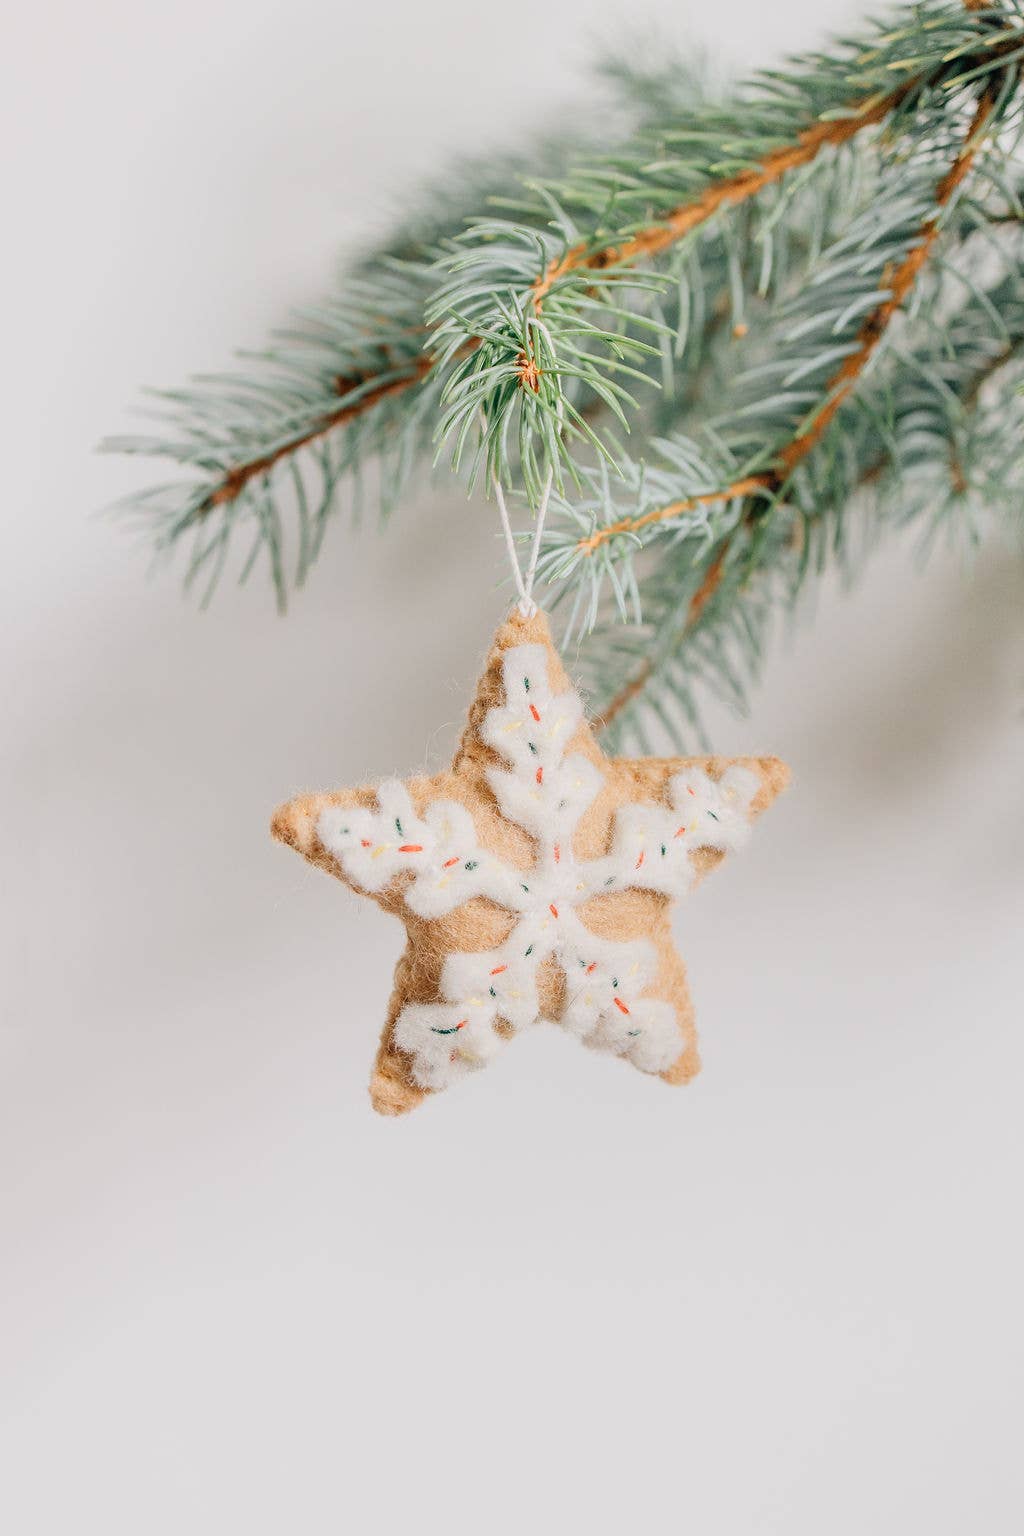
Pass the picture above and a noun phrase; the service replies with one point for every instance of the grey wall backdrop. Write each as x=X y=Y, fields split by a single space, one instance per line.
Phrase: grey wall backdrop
x=564 y=1298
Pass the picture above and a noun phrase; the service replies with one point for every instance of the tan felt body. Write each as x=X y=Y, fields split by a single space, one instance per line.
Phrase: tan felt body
x=480 y=924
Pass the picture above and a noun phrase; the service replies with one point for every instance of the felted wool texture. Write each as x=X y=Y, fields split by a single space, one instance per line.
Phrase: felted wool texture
x=624 y=818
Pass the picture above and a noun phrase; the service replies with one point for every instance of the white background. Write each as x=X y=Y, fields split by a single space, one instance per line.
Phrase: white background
x=563 y=1298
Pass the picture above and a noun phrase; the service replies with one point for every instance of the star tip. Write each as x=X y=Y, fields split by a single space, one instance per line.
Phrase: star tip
x=284 y=827
x=775 y=774
x=684 y=1069
x=390 y=1097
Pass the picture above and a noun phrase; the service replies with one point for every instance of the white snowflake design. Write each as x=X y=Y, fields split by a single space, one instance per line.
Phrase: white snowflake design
x=544 y=791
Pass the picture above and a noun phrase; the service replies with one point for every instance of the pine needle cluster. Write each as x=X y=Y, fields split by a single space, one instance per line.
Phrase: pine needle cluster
x=739 y=333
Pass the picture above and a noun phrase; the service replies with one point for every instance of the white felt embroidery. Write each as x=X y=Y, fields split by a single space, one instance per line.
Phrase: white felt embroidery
x=544 y=791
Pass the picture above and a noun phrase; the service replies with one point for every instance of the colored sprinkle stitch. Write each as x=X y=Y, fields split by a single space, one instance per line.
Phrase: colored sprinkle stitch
x=411 y=848
x=530 y=950
x=632 y=1031
x=620 y=1005
x=492 y=991
x=366 y=842
x=532 y=747
x=591 y=967
x=639 y=860
x=526 y=684
x=712 y=815
x=610 y=880
x=663 y=850
x=558 y=853
x=540 y=775
x=498 y=970
x=398 y=827
x=553 y=909
x=690 y=791
x=535 y=712
x=449 y=862
x=471 y=864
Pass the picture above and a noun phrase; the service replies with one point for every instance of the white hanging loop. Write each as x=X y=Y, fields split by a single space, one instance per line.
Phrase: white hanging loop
x=524 y=584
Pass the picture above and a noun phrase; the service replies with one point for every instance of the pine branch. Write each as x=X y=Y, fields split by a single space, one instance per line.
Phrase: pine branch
x=931 y=418
x=783 y=296
x=773 y=482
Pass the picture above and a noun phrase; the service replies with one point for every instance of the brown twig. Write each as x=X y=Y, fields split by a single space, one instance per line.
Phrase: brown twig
x=648 y=242
x=657 y=237
x=899 y=284
x=235 y=481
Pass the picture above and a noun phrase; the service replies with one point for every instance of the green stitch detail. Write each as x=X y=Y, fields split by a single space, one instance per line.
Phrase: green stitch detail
x=610 y=880
x=398 y=827
x=492 y=991
x=663 y=850
x=530 y=950
x=532 y=748
x=632 y=1031
x=435 y=1031
x=713 y=816
x=526 y=684
x=471 y=864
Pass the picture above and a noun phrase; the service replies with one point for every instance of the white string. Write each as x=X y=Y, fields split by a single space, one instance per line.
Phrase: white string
x=510 y=545
x=524 y=585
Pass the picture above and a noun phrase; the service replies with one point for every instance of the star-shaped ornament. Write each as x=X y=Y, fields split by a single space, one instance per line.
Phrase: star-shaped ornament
x=535 y=878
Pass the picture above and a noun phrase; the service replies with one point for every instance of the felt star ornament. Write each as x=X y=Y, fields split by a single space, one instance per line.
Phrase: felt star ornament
x=534 y=877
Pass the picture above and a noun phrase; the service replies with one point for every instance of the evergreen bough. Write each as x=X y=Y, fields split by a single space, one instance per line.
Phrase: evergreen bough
x=735 y=330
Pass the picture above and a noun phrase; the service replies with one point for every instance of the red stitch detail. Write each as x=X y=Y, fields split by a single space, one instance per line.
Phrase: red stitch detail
x=366 y=842
x=498 y=970
x=449 y=862
x=534 y=712
x=540 y=775
x=553 y=910
x=558 y=853
x=639 y=860
x=678 y=832
x=411 y=848
x=620 y=1005
x=591 y=967
x=462 y=1025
